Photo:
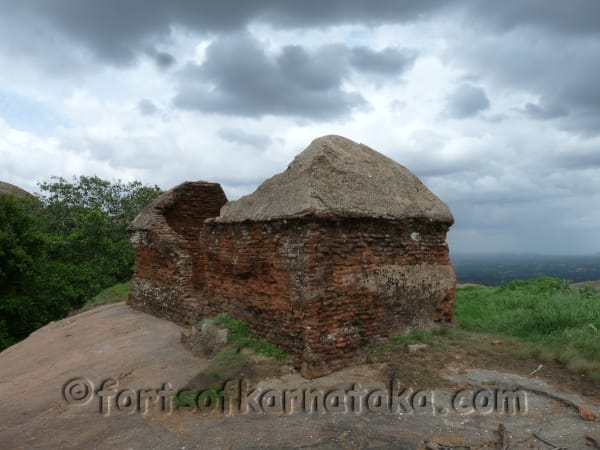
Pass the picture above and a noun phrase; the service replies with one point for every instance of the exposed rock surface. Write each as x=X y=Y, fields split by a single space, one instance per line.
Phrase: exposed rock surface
x=206 y=339
x=142 y=352
x=7 y=188
x=337 y=177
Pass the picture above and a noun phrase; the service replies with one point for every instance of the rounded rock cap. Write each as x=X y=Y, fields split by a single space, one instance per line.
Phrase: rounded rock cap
x=337 y=177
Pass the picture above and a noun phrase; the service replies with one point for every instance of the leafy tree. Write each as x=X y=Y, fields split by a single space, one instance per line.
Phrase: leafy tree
x=87 y=221
x=61 y=249
x=119 y=201
x=19 y=244
x=24 y=306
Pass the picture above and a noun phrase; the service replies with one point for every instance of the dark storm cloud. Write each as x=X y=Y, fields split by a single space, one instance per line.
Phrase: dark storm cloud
x=316 y=13
x=241 y=77
x=466 y=101
x=389 y=61
x=585 y=123
x=544 y=110
x=561 y=71
x=579 y=159
x=570 y=17
x=238 y=136
x=162 y=60
x=321 y=70
x=545 y=48
x=116 y=31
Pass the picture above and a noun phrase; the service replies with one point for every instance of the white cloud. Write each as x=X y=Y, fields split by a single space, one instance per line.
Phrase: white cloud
x=519 y=170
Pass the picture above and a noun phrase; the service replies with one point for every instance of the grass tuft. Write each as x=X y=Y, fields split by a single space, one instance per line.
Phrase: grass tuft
x=383 y=351
x=229 y=362
x=243 y=338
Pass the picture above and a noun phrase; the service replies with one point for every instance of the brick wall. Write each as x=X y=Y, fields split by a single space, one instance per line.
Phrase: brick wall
x=170 y=262
x=323 y=289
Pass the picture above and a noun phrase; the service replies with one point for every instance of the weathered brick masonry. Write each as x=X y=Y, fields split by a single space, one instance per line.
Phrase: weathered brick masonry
x=170 y=262
x=343 y=248
x=323 y=288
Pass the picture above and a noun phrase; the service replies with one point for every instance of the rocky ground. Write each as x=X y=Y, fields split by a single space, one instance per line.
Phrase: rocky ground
x=91 y=381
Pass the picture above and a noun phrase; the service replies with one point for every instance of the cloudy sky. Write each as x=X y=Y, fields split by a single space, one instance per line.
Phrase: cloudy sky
x=494 y=105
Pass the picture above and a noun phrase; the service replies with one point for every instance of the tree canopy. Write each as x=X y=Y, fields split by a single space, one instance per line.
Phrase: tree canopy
x=61 y=248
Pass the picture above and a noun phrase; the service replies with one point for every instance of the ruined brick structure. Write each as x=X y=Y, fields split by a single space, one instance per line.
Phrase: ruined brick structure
x=343 y=248
x=170 y=262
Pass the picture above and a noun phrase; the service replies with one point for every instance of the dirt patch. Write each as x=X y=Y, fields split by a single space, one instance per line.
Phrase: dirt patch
x=509 y=355
x=468 y=350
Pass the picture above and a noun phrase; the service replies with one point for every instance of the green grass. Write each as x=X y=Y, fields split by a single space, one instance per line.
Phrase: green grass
x=191 y=397
x=226 y=365
x=117 y=293
x=241 y=337
x=561 y=323
x=384 y=350
x=230 y=361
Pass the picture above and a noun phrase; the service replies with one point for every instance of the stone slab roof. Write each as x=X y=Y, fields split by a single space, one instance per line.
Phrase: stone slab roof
x=337 y=177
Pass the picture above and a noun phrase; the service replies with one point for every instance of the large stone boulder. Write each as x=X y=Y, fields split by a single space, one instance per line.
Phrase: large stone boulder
x=338 y=177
